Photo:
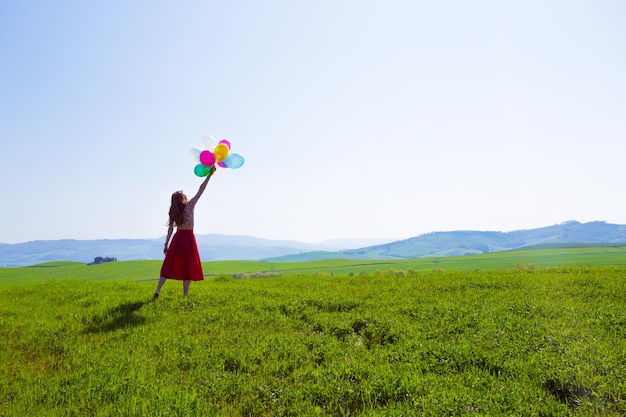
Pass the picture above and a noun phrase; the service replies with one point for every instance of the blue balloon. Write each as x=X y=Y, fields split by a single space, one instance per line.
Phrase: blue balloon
x=233 y=161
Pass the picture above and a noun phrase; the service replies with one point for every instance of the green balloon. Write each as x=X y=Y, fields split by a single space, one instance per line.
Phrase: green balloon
x=201 y=170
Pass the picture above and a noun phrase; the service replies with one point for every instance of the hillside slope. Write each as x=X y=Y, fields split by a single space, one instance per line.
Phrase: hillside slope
x=212 y=247
x=223 y=247
x=458 y=243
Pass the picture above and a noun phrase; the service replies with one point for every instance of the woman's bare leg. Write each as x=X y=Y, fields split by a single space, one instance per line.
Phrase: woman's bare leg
x=158 y=289
x=186 y=287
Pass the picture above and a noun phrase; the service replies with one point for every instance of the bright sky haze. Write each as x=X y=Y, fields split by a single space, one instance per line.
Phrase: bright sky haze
x=357 y=119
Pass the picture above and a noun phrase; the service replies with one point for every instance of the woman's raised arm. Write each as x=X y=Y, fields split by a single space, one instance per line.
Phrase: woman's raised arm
x=203 y=185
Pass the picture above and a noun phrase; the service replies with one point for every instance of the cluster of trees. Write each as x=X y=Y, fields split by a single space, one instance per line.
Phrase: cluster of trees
x=99 y=259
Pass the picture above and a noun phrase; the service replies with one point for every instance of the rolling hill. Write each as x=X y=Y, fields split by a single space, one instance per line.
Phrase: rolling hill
x=223 y=247
x=212 y=247
x=458 y=243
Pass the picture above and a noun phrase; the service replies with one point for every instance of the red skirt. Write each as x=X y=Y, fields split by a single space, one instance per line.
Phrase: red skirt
x=182 y=260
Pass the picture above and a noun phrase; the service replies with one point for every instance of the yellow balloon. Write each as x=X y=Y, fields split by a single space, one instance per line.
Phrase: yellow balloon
x=221 y=152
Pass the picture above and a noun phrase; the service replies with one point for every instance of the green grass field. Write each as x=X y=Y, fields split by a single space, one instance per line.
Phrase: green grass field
x=506 y=337
x=147 y=270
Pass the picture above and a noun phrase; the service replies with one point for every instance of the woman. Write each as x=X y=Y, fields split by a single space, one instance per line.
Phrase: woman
x=182 y=260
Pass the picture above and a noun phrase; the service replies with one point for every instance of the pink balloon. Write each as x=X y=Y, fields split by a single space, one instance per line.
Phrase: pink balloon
x=207 y=158
x=221 y=164
x=225 y=142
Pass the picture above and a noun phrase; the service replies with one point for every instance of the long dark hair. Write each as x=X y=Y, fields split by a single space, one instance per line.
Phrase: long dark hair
x=177 y=209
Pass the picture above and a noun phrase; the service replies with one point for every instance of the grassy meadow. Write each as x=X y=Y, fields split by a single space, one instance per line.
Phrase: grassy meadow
x=148 y=270
x=528 y=340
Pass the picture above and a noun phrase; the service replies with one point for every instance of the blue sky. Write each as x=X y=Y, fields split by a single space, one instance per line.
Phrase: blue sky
x=357 y=119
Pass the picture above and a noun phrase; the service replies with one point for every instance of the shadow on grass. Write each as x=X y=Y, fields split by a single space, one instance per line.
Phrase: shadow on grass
x=122 y=316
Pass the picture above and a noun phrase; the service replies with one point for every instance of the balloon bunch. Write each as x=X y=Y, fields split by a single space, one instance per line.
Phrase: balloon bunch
x=217 y=153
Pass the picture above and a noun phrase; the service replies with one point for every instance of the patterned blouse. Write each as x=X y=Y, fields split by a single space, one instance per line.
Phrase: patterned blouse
x=187 y=224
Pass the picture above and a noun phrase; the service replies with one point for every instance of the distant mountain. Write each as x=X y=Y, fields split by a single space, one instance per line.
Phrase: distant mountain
x=226 y=247
x=457 y=243
x=212 y=247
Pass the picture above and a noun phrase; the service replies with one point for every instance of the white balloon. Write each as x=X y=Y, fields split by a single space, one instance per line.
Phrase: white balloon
x=209 y=142
x=194 y=153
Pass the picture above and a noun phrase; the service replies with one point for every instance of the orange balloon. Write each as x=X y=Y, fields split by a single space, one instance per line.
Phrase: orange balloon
x=221 y=152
